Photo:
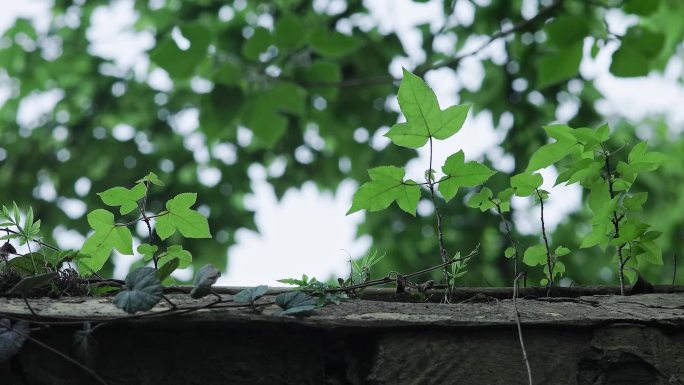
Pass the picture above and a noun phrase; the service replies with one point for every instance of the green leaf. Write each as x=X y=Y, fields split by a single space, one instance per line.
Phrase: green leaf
x=322 y=72
x=143 y=291
x=638 y=48
x=635 y=202
x=107 y=236
x=151 y=178
x=424 y=118
x=165 y=270
x=176 y=251
x=289 y=32
x=550 y=153
x=641 y=7
x=206 y=277
x=147 y=251
x=189 y=223
x=509 y=252
x=649 y=251
x=560 y=65
x=333 y=44
x=29 y=264
x=182 y=63
x=566 y=29
x=481 y=200
x=460 y=174
x=24 y=286
x=251 y=294
x=535 y=255
x=525 y=184
x=561 y=251
x=12 y=338
x=386 y=186
x=121 y=196
x=257 y=44
x=295 y=302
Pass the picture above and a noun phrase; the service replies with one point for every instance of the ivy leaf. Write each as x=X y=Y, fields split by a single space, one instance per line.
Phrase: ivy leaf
x=165 y=270
x=85 y=345
x=295 y=302
x=147 y=251
x=207 y=276
x=551 y=153
x=107 y=236
x=143 y=291
x=635 y=202
x=121 y=196
x=386 y=186
x=24 y=286
x=176 y=251
x=251 y=294
x=190 y=223
x=481 y=200
x=535 y=255
x=461 y=174
x=424 y=118
x=525 y=184
x=29 y=264
x=12 y=338
x=151 y=178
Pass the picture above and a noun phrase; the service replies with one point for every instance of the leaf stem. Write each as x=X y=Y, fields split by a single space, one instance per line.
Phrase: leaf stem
x=440 y=237
x=549 y=262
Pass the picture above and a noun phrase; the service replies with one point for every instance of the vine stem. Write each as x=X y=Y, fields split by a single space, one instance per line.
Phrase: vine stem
x=440 y=237
x=517 y=323
x=509 y=232
x=549 y=262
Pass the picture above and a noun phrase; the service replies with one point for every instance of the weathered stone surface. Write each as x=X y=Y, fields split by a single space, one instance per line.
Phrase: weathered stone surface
x=588 y=340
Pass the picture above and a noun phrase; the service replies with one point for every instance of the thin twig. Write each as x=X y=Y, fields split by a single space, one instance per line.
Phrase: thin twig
x=517 y=322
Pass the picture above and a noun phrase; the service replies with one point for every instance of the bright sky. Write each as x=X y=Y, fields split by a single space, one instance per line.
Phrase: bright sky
x=307 y=231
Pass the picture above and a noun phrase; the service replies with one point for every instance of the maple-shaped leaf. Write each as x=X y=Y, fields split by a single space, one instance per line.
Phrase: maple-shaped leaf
x=424 y=118
x=458 y=173
x=121 y=196
x=107 y=236
x=179 y=216
x=176 y=251
x=386 y=186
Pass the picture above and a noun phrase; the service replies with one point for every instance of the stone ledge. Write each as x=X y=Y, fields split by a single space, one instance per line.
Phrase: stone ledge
x=586 y=340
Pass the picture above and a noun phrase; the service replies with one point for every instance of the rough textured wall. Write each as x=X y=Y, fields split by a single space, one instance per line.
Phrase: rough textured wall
x=602 y=340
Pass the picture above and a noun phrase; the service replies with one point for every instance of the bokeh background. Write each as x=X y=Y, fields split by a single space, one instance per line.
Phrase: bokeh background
x=273 y=111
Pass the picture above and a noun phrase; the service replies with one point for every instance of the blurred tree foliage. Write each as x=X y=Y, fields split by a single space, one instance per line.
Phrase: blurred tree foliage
x=301 y=76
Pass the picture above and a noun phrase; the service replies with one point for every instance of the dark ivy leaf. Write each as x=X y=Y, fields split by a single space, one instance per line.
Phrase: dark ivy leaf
x=165 y=270
x=251 y=294
x=85 y=346
x=143 y=291
x=206 y=277
x=24 y=286
x=295 y=302
x=12 y=338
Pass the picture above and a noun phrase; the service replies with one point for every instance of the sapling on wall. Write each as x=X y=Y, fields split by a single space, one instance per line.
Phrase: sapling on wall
x=425 y=123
